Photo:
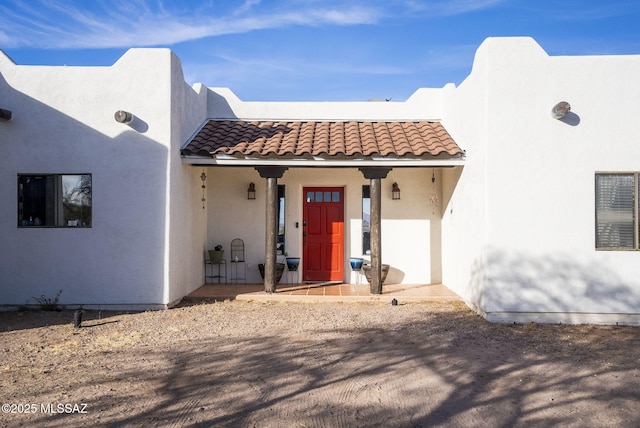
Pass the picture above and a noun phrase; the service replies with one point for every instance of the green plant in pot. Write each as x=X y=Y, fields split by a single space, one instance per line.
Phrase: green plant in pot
x=216 y=255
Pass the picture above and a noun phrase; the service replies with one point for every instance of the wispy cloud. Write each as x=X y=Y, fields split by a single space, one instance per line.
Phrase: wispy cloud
x=273 y=73
x=448 y=7
x=119 y=23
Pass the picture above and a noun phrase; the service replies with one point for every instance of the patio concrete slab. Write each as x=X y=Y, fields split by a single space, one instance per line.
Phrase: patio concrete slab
x=325 y=292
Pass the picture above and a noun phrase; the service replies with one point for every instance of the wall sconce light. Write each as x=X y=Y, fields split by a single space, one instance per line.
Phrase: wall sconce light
x=203 y=177
x=433 y=176
x=560 y=110
x=395 y=191
x=251 y=191
x=123 y=117
x=5 y=115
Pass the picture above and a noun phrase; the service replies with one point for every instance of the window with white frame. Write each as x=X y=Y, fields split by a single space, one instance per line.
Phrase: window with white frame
x=54 y=200
x=617 y=211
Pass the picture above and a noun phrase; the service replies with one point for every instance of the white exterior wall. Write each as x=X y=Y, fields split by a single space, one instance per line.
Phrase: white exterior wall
x=63 y=124
x=528 y=191
x=187 y=225
x=424 y=104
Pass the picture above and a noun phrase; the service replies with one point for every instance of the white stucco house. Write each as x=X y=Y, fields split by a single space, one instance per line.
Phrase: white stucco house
x=528 y=215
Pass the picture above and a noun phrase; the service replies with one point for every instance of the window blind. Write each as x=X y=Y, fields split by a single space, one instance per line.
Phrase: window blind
x=615 y=211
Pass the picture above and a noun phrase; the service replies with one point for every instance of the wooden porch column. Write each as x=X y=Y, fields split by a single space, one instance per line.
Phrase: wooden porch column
x=375 y=176
x=271 y=173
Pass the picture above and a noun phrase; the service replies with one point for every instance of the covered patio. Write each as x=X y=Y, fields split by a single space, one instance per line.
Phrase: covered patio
x=337 y=159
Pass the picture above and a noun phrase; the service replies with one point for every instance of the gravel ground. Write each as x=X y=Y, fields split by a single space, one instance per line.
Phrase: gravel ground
x=251 y=364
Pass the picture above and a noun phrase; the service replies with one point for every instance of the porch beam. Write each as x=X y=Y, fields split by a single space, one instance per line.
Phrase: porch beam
x=375 y=176
x=271 y=236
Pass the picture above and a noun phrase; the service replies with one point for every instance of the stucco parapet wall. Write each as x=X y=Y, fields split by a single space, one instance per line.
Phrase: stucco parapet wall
x=138 y=62
x=134 y=58
x=90 y=95
x=136 y=66
x=424 y=104
x=509 y=47
x=5 y=60
x=522 y=52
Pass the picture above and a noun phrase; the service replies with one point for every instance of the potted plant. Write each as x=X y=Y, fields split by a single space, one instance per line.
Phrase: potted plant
x=216 y=255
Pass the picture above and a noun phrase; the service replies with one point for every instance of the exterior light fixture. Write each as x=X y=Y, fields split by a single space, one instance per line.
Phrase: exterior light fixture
x=5 y=115
x=433 y=176
x=203 y=177
x=560 y=110
x=123 y=117
x=251 y=191
x=395 y=191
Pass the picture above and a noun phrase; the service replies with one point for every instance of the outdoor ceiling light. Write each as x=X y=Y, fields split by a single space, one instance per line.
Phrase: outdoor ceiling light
x=395 y=191
x=123 y=117
x=5 y=115
x=560 y=110
x=251 y=191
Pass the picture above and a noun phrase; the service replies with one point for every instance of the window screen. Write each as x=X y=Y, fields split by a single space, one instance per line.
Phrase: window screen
x=616 y=211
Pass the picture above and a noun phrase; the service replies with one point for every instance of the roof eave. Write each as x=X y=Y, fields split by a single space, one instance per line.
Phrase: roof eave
x=320 y=162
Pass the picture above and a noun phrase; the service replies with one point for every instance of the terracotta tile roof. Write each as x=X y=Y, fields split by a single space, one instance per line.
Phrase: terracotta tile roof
x=268 y=138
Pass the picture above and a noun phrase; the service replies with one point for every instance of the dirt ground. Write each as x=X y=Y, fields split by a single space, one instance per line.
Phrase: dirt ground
x=251 y=364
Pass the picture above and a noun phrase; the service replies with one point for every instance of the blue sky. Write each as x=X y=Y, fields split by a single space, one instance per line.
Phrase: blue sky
x=312 y=50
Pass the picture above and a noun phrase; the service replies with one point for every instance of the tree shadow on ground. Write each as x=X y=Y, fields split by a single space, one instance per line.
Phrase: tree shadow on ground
x=445 y=369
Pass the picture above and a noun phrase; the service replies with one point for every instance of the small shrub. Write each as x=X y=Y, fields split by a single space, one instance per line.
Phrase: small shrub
x=48 y=303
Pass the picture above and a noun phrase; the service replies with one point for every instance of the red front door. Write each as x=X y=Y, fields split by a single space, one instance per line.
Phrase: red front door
x=323 y=234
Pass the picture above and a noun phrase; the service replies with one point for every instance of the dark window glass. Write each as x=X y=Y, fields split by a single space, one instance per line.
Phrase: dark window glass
x=366 y=218
x=54 y=200
x=281 y=212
